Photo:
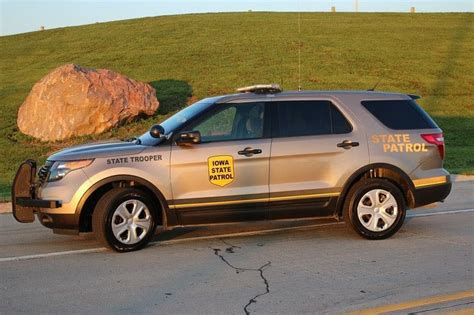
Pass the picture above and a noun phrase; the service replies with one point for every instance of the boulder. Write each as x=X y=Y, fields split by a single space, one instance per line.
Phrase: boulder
x=73 y=101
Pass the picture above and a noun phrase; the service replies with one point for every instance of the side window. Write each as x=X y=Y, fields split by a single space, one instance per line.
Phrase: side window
x=304 y=118
x=340 y=125
x=232 y=122
x=218 y=126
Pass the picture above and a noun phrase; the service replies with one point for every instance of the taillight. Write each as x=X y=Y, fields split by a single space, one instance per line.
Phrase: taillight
x=436 y=139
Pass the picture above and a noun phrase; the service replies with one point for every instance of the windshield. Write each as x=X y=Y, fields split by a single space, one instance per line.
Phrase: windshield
x=178 y=119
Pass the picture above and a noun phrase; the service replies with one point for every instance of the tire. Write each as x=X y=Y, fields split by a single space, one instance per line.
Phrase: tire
x=124 y=219
x=374 y=208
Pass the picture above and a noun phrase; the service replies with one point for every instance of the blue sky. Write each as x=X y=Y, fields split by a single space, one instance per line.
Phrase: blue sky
x=19 y=16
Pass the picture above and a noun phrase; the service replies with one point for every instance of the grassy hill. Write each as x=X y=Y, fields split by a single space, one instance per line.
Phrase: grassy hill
x=199 y=55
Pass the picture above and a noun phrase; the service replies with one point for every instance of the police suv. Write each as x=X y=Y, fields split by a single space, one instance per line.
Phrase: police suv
x=260 y=154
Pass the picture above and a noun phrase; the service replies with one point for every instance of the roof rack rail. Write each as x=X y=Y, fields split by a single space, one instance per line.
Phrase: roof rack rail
x=261 y=89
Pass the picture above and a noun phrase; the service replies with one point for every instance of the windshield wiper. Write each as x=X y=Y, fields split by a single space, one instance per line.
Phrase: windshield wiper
x=137 y=140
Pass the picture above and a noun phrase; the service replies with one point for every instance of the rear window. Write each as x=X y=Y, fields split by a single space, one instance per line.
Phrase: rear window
x=400 y=114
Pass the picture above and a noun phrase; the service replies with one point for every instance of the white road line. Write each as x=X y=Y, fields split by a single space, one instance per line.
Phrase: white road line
x=249 y=233
x=169 y=242
x=210 y=237
x=69 y=252
x=430 y=214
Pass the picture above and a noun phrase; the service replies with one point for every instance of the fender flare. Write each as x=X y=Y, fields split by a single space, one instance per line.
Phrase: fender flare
x=354 y=177
x=168 y=219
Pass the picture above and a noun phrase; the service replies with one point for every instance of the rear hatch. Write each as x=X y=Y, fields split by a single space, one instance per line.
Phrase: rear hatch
x=412 y=133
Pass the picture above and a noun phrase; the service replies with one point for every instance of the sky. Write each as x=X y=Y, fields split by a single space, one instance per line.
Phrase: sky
x=20 y=16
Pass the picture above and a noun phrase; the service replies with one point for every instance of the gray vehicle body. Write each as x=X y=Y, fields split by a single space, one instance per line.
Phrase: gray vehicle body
x=292 y=177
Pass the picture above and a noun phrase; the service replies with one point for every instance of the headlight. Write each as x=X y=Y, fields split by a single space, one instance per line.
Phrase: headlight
x=62 y=168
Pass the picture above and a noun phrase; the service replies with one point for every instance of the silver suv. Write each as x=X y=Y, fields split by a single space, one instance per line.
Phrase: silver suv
x=261 y=154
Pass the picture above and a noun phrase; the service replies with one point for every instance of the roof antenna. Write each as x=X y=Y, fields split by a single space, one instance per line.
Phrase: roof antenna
x=376 y=84
x=299 y=47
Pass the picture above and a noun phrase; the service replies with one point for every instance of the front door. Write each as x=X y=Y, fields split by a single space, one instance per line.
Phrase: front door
x=315 y=149
x=225 y=177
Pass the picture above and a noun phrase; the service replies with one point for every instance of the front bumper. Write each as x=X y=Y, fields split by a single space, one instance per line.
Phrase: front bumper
x=29 y=202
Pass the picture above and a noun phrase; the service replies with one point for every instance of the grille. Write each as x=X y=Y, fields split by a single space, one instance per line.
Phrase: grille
x=44 y=171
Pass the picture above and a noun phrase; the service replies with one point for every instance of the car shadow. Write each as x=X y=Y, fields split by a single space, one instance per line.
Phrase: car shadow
x=172 y=94
x=441 y=87
x=458 y=132
x=247 y=228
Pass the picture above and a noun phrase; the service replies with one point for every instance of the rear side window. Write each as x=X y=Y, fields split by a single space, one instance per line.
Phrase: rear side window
x=400 y=114
x=339 y=122
x=304 y=118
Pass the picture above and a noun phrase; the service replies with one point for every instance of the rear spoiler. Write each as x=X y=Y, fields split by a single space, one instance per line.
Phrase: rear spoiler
x=414 y=97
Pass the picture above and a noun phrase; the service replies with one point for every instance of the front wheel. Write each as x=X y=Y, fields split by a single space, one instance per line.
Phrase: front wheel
x=374 y=208
x=124 y=219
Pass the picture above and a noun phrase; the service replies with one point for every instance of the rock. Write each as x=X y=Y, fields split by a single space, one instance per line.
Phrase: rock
x=73 y=101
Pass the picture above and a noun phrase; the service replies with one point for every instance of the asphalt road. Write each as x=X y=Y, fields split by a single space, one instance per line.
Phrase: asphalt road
x=311 y=266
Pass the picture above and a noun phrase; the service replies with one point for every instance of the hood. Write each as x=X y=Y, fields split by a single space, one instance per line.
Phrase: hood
x=97 y=150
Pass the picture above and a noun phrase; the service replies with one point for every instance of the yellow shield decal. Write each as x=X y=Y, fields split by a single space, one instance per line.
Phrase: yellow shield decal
x=221 y=169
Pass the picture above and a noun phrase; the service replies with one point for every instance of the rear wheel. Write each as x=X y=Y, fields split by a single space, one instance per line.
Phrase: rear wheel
x=124 y=219
x=374 y=208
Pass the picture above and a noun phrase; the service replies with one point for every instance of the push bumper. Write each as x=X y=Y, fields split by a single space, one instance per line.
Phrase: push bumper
x=29 y=202
x=24 y=201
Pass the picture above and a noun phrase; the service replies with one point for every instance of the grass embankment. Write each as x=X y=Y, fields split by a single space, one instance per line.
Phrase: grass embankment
x=209 y=54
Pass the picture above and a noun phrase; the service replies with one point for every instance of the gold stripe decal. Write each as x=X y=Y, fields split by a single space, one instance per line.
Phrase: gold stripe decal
x=234 y=202
x=335 y=194
x=432 y=181
x=218 y=203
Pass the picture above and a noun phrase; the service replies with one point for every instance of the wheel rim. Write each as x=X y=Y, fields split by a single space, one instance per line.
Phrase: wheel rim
x=131 y=221
x=377 y=210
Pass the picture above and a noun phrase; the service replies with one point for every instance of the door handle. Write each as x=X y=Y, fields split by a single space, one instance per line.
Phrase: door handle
x=347 y=144
x=248 y=151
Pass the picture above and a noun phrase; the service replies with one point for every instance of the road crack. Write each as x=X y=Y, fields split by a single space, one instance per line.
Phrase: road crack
x=260 y=270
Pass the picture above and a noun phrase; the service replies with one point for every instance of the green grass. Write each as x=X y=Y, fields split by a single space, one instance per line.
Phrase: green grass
x=200 y=55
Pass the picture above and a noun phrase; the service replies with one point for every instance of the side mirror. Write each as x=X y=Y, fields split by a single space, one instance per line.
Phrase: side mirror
x=188 y=137
x=156 y=131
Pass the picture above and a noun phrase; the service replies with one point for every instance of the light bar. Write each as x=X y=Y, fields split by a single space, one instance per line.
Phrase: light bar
x=261 y=89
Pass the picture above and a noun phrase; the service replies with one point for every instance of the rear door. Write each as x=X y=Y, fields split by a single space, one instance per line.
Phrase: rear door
x=224 y=178
x=316 y=147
